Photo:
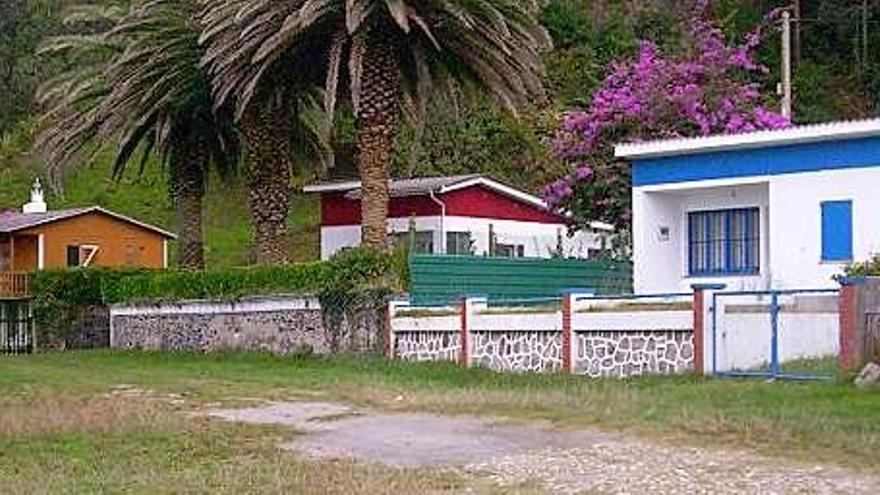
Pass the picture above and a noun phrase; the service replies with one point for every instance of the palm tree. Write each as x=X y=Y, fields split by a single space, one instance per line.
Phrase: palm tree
x=279 y=117
x=154 y=97
x=393 y=49
x=71 y=100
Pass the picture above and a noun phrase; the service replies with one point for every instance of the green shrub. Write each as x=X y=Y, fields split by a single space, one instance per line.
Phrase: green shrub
x=355 y=277
x=62 y=297
x=869 y=268
x=229 y=283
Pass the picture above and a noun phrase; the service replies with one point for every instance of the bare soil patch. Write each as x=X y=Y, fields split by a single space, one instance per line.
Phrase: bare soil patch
x=583 y=460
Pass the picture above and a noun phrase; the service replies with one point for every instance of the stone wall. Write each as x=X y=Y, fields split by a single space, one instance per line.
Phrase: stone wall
x=279 y=325
x=613 y=341
x=79 y=328
x=90 y=330
x=633 y=353
x=517 y=350
x=432 y=345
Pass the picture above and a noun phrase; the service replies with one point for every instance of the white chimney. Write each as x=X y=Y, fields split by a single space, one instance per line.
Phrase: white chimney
x=37 y=203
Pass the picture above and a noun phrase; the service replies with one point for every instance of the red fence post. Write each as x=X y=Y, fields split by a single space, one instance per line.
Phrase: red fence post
x=566 y=332
x=463 y=357
x=701 y=309
x=699 y=330
x=850 y=352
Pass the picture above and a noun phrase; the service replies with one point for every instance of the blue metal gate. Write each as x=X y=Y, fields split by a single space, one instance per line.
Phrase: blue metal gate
x=785 y=334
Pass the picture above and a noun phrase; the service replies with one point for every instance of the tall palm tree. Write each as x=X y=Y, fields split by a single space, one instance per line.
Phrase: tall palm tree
x=71 y=100
x=393 y=48
x=279 y=116
x=154 y=97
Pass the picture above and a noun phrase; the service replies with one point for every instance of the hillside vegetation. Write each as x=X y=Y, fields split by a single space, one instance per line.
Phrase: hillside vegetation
x=837 y=77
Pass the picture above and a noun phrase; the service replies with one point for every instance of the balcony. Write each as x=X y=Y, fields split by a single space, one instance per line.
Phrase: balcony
x=15 y=285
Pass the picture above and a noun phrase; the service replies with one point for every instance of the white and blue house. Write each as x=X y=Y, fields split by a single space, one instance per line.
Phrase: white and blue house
x=782 y=209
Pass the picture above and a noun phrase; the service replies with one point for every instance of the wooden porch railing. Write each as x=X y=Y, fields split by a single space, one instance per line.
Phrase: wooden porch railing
x=15 y=285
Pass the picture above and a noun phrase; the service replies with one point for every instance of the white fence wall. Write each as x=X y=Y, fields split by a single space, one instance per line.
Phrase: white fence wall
x=426 y=334
x=618 y=338
x=808 y=327
x=631 y=343
x=507 y=340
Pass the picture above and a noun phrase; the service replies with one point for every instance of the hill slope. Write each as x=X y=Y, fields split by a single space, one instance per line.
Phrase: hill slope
x=227 y=223
x=468 y=134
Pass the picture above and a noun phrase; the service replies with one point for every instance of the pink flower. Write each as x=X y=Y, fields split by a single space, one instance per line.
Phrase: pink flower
x=710 y=90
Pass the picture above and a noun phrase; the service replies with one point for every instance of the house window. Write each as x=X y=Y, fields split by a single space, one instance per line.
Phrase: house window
x=81 y=256
x=72 y=256
x=509 y=251
x=415 y=242
x=724 y=242
x=131 y=256
x=837 y=231
x=459 y=243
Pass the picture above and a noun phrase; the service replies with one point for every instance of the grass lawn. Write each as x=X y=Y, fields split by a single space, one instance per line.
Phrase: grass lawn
x=65 y=428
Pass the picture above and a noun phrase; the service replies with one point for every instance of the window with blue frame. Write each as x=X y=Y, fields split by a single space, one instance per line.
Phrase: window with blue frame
x=837 y=231
x=724 y=242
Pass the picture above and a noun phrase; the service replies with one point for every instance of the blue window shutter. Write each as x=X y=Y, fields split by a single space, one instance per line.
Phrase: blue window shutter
x=837 y=231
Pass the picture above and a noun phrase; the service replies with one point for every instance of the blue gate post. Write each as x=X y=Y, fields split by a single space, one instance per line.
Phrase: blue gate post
x=774 y=330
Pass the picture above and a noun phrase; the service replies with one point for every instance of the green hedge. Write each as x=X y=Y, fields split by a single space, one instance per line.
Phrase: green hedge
x=231 y=283
x=60 y=297
x=350 y=271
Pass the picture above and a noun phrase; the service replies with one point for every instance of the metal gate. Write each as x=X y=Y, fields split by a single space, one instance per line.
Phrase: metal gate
x=872 y=346
x=788 y=334
x=16 y=327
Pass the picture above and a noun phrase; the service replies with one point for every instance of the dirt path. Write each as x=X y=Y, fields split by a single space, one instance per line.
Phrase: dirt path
x=562 y=462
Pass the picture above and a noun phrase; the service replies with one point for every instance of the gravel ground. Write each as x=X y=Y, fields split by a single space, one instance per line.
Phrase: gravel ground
x=624 y=466
x=582 y=461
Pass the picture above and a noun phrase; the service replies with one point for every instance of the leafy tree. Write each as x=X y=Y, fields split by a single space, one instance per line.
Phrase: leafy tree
x=151 y=94
x=709 y=88
x=394 y=50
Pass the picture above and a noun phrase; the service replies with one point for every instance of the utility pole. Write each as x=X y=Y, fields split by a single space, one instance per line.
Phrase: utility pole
x=796 y=41
x=785 y=90
x=864 y=36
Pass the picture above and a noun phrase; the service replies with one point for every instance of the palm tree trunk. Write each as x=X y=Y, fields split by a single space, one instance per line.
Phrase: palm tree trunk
x=269 y=162
x=187 y=192
x=377 y=127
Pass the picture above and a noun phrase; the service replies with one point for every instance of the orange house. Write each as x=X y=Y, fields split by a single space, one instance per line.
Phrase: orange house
x=37 y=239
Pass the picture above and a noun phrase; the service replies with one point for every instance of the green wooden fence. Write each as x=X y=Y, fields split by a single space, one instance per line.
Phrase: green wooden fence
x=439 y=279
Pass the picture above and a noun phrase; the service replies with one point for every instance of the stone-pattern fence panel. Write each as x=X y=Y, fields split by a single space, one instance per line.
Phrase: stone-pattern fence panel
x=579 y=334
x=517 y=339
x=430 y=334
x=517 y=350
x=634 y=353
x=428 y=346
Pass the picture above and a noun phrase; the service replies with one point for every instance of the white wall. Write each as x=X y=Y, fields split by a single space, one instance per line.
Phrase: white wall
x=796 y=218
x=662 y=265
x=539 y=240
x=743 y=332
x=656 y=262
x=791 y=227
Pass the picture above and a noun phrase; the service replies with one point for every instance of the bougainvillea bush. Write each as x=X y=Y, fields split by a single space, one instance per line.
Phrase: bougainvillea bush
x=711 y=87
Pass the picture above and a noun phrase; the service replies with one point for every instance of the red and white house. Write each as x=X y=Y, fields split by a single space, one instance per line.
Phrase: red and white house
x=456 y=215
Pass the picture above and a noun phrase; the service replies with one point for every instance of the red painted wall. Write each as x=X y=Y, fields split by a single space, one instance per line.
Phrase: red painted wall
x=480 y=202
x=336 y=209
x=477 y=202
